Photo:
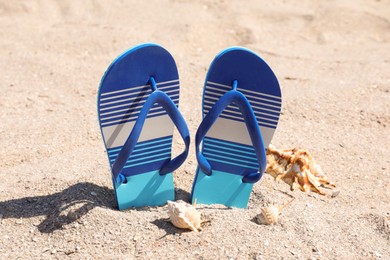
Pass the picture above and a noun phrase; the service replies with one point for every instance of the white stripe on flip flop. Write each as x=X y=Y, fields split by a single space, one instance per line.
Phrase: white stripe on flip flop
x=155 y=127
x=131 y=98
x=143 y=92
x=122 y=120
x=260 y=115
x=142 y=86
x=175 y=99
x=239 y=119
x=226 y=129
x=259 y=118
x=242 y=90
x=251 y=102
x=210 y=104
x=124 y=90
x=140 y=101
x=245 y=91
x=257 y=97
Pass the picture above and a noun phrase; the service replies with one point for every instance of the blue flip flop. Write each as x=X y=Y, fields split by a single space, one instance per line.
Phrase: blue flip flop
x=241 y=109
x=138 y=110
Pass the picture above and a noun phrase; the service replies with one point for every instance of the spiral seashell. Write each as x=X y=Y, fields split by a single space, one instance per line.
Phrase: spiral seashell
x=269 y=215
x=184 y=215
x=297 y=168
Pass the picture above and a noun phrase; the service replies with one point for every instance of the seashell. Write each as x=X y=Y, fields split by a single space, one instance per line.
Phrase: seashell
x=184 y=215
x=269 y=214
x=297 y=168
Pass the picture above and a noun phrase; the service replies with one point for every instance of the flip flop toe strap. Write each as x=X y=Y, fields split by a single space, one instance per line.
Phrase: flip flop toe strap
x=163 y=99
x=236 y=97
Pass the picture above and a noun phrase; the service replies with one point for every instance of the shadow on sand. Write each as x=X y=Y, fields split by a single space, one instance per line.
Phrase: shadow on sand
x=82 y=196
x=65 y=207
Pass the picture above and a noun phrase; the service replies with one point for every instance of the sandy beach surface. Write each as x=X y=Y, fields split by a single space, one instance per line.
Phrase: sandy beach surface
x=332 y=59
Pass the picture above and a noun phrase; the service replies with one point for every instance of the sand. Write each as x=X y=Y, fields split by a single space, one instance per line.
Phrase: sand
x=332 y=59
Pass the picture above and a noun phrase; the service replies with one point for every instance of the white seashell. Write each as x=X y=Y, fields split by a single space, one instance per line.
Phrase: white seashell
x=268 y=215
x=184 y=215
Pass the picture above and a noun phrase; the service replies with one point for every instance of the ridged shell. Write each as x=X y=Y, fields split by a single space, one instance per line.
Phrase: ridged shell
x=268 y=215
x=297 y=168
x=184 y=215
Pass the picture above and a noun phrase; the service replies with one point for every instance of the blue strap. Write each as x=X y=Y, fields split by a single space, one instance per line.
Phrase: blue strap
x=163 y=99
x=251 y=124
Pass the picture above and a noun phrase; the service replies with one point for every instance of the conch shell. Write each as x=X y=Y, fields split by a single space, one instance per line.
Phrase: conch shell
x=269 y=214
x=184 y=215
x=297 y=168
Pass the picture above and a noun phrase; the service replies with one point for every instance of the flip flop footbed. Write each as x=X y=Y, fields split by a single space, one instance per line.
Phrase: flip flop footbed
x=227 y=145
x=123 y=91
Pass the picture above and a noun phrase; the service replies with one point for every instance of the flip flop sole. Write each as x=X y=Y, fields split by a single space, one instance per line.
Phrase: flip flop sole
x=123 y=90
x=227 y=145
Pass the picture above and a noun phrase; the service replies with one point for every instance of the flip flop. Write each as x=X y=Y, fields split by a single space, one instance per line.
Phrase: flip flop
x=241 y=108
x=138 y=109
